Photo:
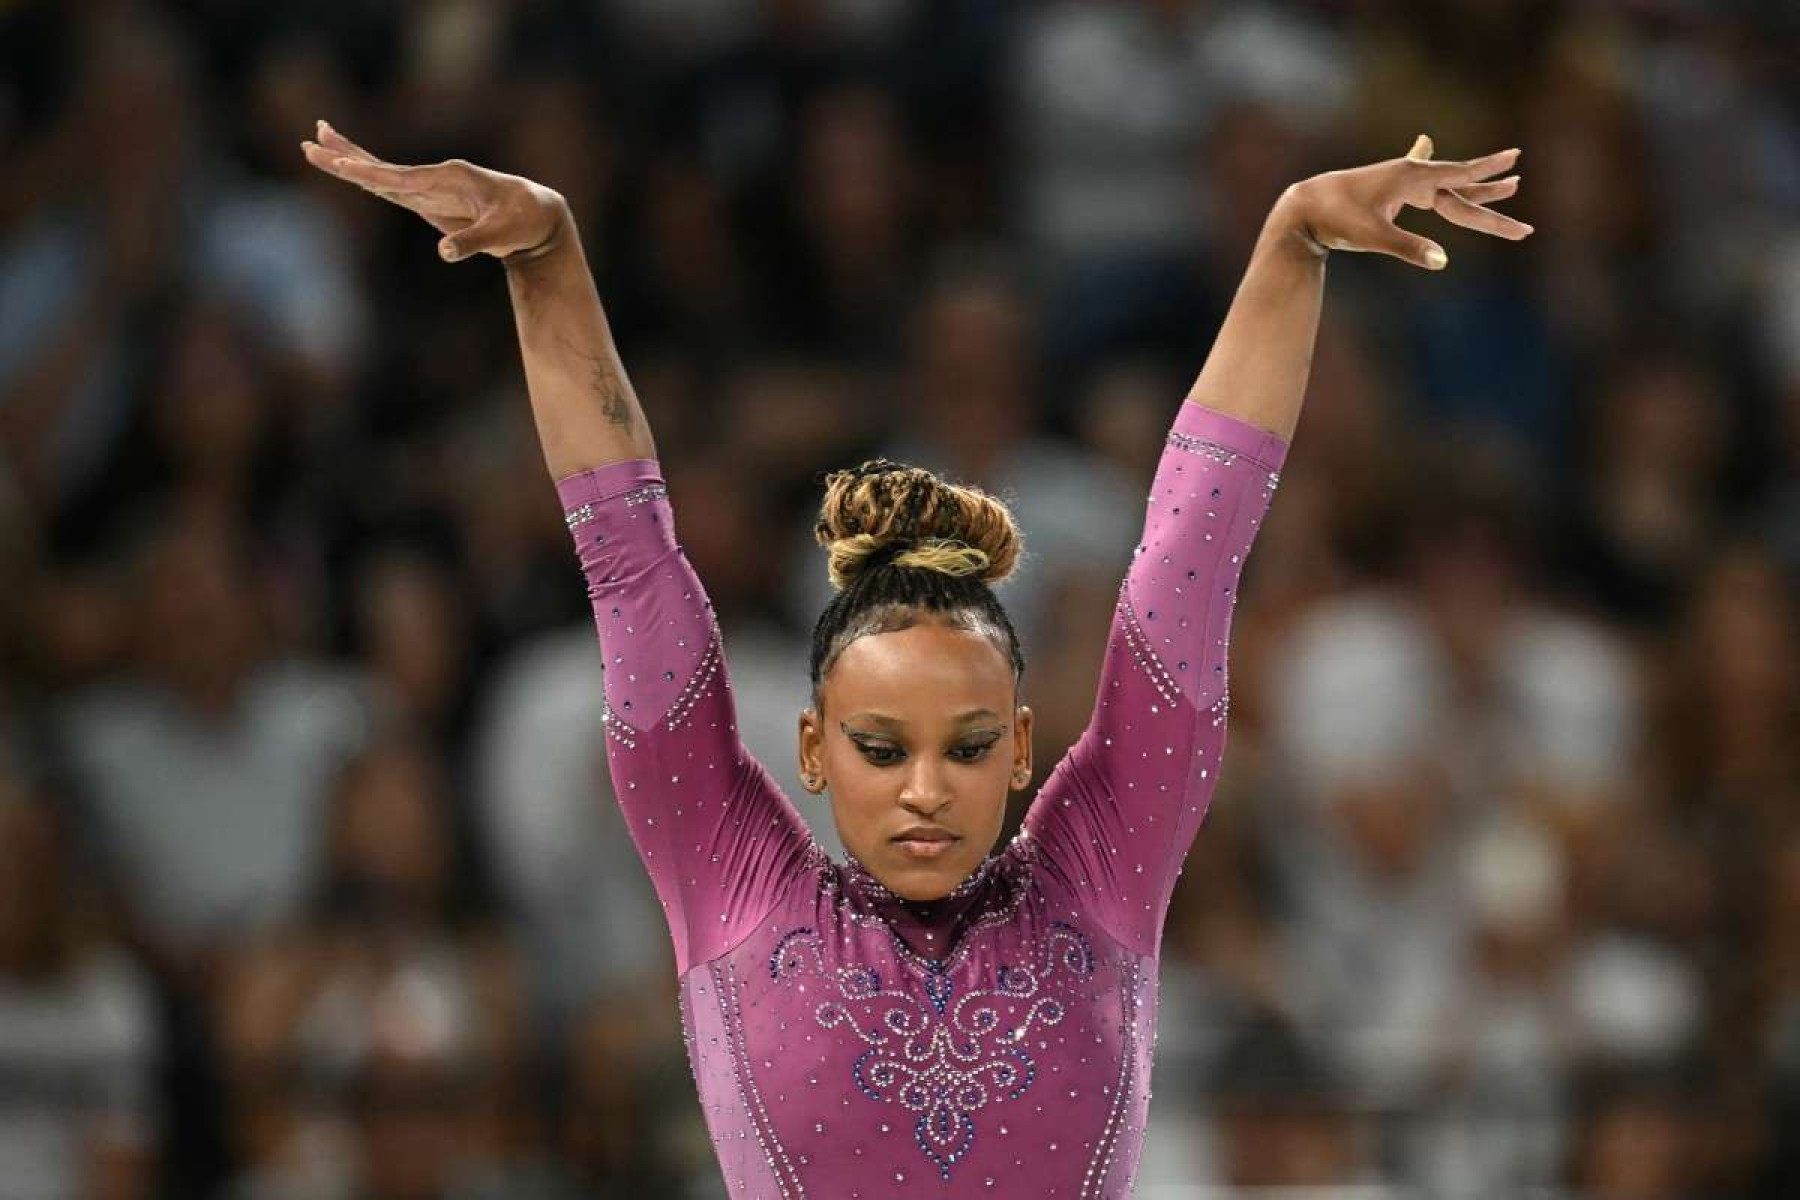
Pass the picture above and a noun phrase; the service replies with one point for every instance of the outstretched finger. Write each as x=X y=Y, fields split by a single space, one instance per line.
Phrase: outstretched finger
x=326 y=160
x=376 y=177
x=1459 y=174
x=383 y=176
x=1487 y=193
x=1457 y=210
x=331 y=139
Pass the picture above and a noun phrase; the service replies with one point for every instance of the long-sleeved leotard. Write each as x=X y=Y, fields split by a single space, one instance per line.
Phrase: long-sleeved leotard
x=847 y=1043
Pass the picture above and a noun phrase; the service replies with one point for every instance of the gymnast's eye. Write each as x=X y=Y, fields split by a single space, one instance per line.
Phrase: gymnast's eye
x=878 y=754
x=978 y=750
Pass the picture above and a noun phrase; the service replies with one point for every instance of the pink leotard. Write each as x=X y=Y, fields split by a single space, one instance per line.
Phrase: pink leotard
x=848 y=1044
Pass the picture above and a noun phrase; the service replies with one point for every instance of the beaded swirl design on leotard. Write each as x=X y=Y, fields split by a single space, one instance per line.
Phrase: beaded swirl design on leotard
x=941 y=1056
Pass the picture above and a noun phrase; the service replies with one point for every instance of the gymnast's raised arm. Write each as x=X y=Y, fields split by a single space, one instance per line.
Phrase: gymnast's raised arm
x=718 y=838
x=1116 y=817
x=587 y=415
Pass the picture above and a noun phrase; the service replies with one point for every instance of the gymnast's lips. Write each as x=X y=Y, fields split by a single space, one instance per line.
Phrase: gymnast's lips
x=925 y=841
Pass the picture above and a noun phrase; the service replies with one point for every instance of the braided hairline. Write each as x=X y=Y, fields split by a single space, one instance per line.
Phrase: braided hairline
x=895 y=597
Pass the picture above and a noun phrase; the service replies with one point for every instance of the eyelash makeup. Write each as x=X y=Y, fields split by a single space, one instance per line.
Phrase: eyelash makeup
x=870 y=750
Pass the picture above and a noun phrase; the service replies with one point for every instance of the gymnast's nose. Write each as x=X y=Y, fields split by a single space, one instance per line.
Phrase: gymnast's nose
x=926 y=792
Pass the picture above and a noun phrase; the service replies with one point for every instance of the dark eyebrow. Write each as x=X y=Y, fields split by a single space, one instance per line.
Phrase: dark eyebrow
x=875 y=718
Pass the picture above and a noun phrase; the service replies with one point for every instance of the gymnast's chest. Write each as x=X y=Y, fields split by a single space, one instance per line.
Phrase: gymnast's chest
x=846 y=1055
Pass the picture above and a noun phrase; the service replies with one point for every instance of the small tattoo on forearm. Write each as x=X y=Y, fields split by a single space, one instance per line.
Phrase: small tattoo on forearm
x=614 y=403
x=603 y=378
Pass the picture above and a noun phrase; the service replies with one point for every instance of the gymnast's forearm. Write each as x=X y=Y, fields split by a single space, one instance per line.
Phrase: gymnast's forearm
x=1259 y=364
x=586 y=411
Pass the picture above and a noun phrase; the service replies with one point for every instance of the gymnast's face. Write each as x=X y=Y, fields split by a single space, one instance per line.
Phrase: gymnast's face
x=919 y=743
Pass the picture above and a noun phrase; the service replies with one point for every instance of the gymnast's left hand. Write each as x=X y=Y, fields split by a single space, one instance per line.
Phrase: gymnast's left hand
x=1355 y=209
x=479 y=211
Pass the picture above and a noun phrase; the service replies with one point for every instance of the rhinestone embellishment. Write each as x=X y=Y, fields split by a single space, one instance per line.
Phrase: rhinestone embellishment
x=696 y=686
x=1139 y=642
x=939 y=1057
x=1194 y=445
x=692 y=692
x=645 y=494
x=1108 y=1146
x=1011 y=870
x=616 y=726
x=787 y=1175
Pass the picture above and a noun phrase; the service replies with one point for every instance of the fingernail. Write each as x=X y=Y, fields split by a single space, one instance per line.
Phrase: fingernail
x=1436 y=258
x=447 y=248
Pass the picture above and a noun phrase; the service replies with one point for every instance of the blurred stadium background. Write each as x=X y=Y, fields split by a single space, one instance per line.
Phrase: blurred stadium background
x=310 y=884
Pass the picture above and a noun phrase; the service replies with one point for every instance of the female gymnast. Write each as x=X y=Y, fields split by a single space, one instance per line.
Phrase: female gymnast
x=929 y=1018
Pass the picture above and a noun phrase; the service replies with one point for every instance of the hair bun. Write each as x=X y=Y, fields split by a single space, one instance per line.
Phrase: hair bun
x=884 y=512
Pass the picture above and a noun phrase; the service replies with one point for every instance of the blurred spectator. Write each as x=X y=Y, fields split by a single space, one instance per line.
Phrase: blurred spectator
x=683 y=277
x=484 y=478
x=82 y=282
x=415 y=634
x=1375 y=940
x=841 y=276
x=1646 y=489
x=1542 y=700
x=1499 y=1102
x=1112 y=99
x=1281 y=1119
x=1730 y=700
x=1636 y=1138
x=1781 y=977
x=1779 y=344
x=79 y=1039
x=203 y=772
x=1725 y=172
x=1593 y=276
x=377 y=1045
x=629 y=1124
x=1397 y=714
x=79 y=280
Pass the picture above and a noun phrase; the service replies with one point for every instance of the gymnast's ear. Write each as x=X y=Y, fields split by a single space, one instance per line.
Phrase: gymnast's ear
x=812 y=737
x=1022 y=747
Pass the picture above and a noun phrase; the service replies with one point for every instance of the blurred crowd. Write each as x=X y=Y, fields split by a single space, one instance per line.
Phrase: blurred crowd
x=311 y=884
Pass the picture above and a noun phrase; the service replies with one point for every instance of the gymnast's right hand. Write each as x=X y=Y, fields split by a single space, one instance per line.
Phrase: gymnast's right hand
x=477 y=210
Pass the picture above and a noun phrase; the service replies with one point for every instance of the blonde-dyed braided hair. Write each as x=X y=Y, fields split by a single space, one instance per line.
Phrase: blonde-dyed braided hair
x=902 y=542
